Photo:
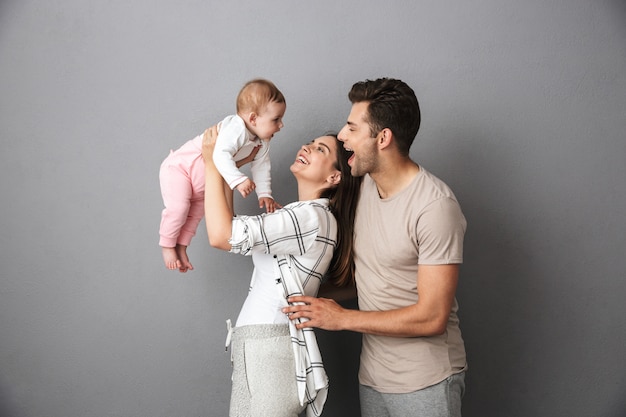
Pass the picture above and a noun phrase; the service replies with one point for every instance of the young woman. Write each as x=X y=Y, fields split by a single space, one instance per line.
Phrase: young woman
x=277 y=369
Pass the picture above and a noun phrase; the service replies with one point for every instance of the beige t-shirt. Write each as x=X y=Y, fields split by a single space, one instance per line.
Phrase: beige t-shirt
x=422 y=224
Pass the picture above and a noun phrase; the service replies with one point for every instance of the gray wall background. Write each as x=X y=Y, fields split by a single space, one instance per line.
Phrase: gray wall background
x=524 y=106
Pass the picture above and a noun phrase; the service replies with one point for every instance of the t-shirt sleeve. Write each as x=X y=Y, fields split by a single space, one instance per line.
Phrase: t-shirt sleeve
x=440 y=232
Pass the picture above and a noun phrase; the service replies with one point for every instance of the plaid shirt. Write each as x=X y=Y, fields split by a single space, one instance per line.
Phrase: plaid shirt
x=302 y=238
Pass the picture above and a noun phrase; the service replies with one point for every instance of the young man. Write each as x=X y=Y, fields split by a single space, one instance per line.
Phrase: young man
x=409 y=232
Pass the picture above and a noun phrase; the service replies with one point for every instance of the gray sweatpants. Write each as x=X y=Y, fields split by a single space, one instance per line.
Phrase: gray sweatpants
x=264 y=373
x=439 y=400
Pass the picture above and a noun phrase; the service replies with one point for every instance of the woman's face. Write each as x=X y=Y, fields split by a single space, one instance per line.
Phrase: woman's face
x=317 y=160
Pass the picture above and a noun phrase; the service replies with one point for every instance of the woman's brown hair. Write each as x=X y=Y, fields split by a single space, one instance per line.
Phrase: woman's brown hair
x=343 y=201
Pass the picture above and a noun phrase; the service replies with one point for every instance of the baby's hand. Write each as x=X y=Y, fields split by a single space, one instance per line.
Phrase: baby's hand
x=246 y=187
x=269 y=204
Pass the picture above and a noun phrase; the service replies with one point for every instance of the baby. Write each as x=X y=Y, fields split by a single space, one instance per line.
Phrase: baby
x=243 y=137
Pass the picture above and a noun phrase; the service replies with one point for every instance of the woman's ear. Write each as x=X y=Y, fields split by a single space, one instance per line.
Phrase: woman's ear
x=334 y=178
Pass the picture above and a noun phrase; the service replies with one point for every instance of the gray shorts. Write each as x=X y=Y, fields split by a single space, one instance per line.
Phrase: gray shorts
x=439 y=400
x=264 y=372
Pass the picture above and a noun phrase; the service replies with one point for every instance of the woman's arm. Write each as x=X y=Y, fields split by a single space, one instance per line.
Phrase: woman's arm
x=218 y=216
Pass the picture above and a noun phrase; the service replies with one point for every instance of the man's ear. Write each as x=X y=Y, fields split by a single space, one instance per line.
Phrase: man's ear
x=384 y=138
x=334 y=178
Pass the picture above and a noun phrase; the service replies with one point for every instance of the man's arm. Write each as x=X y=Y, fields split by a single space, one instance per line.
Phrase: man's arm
x=436 y=286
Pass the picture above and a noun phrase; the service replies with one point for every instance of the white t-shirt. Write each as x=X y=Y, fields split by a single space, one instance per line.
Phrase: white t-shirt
x=264 y=301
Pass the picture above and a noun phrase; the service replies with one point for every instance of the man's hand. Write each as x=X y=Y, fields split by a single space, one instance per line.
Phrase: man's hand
x=321 y=312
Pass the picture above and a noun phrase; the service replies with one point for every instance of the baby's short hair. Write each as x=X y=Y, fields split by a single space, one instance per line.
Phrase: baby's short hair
x=257 y=93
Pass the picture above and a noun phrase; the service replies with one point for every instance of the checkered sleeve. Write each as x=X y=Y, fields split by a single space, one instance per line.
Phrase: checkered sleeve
x=291 y=230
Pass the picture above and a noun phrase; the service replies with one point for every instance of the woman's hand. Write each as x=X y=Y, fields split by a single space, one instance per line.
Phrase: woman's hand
x=208 y=144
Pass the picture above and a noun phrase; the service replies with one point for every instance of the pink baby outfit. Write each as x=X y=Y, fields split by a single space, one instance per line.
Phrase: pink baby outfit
x=182 y=187
x=182 y=177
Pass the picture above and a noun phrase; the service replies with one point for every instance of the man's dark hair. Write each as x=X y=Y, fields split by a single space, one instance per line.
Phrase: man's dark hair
x=392 y=105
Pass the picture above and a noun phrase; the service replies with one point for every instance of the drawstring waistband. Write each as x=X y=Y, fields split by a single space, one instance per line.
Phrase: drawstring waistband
x=229 y=335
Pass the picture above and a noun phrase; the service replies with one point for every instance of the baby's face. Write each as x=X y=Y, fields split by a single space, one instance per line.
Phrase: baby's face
x=270 y=120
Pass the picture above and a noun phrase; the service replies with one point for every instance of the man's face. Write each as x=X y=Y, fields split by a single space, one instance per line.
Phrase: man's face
x=356 y=137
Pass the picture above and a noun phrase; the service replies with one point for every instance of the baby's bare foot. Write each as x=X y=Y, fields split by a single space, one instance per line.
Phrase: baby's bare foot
x=170 y=258
x=184 y=265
